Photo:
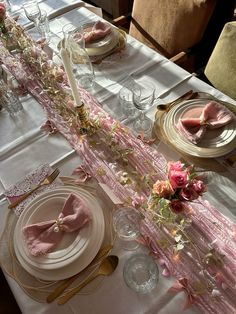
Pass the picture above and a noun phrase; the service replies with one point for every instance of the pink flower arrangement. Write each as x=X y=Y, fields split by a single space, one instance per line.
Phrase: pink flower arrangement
x=3 y=29
x=2 y=11
x=182 y=185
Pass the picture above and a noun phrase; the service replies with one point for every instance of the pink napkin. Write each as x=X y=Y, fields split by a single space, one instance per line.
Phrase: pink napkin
x=42 y=238
x=98 y=31
x=214 y=115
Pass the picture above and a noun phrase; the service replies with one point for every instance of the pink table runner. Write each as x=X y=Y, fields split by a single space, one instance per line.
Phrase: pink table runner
x=206 y=268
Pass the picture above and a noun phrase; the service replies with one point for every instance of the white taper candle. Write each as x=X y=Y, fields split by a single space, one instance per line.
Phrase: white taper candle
x=72 y=81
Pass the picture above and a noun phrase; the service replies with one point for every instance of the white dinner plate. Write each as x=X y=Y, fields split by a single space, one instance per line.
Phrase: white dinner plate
x=82 y=260
x=215 y=143
x=71 y=244
x=71 y=241
x=102 y=45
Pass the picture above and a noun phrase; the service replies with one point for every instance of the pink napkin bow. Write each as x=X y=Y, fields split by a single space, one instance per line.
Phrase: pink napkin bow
x=99 y=30
x=214 y=115
x=183 y=285
x=42 y=237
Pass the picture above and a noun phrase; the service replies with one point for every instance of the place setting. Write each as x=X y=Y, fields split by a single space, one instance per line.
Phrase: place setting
x=59 y=236
x=199 y=127
x=63 y=238
x=99 y=39
x=102 y=39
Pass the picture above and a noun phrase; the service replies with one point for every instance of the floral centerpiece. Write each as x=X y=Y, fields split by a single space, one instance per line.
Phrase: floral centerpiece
x=183 y=184
x=168 y=204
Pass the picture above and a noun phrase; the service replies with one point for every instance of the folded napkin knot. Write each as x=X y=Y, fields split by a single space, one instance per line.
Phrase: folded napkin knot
x=213 y=116
x=43 y=237
x=98 y=31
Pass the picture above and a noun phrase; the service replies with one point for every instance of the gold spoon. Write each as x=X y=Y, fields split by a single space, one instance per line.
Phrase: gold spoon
x=106 y=268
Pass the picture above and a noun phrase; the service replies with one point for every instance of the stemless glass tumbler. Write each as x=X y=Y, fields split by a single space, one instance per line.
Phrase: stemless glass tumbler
x=141 y=273
x=9 y=100
x=143 y=97
x=125 y=97
x=126 y=222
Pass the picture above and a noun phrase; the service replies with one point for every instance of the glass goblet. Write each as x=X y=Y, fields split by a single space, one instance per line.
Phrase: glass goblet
x=126 y=223
x=32 y=11
x=143 y=97
x=43 y=25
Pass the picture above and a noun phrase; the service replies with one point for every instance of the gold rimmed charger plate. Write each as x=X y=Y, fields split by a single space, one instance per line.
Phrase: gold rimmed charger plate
x=216 y=143
x=100 y=48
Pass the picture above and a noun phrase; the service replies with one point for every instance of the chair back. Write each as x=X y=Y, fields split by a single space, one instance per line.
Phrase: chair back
x=221 y=67
x=170 y=26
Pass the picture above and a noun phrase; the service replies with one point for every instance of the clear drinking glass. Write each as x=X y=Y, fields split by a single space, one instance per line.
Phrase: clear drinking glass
x=43 y=25
x=141 y=273
x=81 y=64
x=126 y=100
x=32 y=11
x=9 y=100
x=143 y=97
x=126 y=223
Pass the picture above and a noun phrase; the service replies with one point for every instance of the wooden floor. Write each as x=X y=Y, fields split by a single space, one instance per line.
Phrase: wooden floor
x=8 y=304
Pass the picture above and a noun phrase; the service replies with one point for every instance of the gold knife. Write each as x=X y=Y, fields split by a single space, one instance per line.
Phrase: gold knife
x=67 y=282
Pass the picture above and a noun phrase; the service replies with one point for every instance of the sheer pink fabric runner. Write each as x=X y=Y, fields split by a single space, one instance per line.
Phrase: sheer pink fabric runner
x=115 y=157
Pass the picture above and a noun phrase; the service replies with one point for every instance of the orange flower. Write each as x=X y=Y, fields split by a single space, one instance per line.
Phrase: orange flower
x=163 y=189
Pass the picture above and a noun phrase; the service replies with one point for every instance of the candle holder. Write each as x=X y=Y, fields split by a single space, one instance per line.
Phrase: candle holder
x=86 y=126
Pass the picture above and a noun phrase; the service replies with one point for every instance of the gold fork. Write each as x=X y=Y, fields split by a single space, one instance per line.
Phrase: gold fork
x=48 y=180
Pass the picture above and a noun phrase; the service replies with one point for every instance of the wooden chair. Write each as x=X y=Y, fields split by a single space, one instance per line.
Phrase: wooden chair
x=177 y=29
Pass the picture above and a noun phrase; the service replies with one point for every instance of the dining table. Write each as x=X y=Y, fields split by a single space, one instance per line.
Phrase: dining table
x=26 y=145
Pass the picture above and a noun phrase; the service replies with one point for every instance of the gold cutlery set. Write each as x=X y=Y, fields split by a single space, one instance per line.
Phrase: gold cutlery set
x=106 y=267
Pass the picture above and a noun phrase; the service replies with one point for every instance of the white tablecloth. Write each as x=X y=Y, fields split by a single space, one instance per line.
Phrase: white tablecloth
x=24 y=146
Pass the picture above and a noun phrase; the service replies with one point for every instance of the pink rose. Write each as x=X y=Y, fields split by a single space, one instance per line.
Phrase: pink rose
x=178 y=179
x=163 y=189
x=188 y=194
x=199 y=187
x=2 y=11
x=176 y=206
x=178 y=166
